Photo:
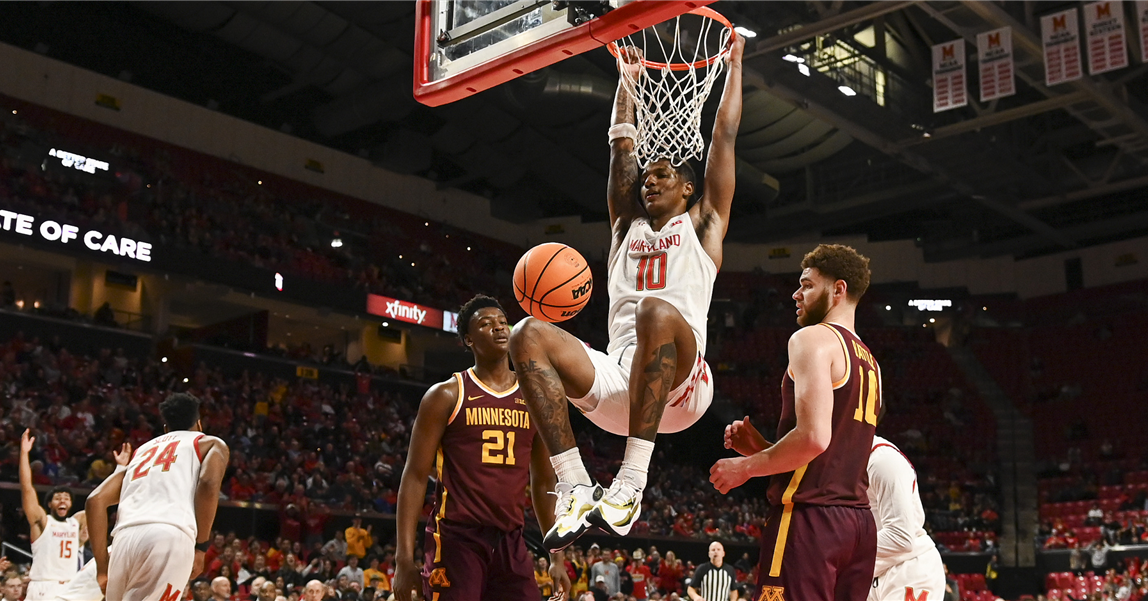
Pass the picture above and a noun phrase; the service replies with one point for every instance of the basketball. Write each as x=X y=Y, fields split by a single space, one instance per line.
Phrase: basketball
x=552 y=282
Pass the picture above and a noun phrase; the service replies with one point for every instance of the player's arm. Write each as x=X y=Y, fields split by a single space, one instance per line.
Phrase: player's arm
x=542 y=482
x=211 y=472
x=32 y=509
x=624 y=169
x=721 y=163
x=811 y=353
x=434 y=411
x=82 y=519
x=106 y=495
x=891 y=481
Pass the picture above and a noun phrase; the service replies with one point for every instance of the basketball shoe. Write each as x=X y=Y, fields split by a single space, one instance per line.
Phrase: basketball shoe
x=574 y=503
x=618 y=509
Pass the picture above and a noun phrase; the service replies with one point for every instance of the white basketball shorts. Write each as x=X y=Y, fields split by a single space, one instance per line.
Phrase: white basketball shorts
x=608 y=402
x=920 y=578
x=152 y=562
x=83 y=586
x=44 y=590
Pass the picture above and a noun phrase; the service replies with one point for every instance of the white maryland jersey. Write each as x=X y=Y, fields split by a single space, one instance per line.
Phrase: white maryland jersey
x=160 y=481
x=670 y=265
x=56 y=554
x=896 y=505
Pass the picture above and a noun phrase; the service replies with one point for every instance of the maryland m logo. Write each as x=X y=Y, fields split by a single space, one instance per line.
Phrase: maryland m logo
x=438 y=578
x=169 y=594
x=924 y=596
x=947 y=52
x=772 y=593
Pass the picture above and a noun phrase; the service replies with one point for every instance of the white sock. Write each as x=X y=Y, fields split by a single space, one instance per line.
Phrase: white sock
x=636 y=462
x=569 y=468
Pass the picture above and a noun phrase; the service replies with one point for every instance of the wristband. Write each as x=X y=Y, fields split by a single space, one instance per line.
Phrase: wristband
x=202 y=546
x=120 y=468
x=623 y=130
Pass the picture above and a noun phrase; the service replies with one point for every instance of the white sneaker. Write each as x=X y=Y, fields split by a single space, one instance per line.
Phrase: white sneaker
x=618 y=509
x=574 y=503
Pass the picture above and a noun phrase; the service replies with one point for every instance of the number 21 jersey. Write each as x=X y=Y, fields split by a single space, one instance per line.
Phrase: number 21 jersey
x=160 y=481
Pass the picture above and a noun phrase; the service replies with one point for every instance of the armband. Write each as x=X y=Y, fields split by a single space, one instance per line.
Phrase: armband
x=623 y=130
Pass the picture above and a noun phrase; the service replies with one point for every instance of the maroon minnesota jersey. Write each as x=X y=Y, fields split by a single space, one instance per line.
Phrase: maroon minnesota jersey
x=838 y=476
x=483 y=463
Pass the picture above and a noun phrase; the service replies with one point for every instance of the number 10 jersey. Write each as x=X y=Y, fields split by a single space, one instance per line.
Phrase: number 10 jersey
x=482 y=466
x=160 y=481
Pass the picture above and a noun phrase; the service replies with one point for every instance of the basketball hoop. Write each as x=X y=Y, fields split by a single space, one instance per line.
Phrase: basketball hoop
x=683 y=59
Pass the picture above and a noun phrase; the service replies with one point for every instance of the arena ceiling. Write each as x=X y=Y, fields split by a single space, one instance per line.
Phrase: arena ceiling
x=1045 y=170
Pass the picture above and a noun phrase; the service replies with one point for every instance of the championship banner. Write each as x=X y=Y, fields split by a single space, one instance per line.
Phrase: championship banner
x=994 y=55
x=1104 y=28
x=949 y=76
x=1142 y=18
x=1060 y=34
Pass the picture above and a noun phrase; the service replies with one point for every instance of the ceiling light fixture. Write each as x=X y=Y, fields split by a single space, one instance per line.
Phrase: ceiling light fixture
x=848 y=91
x=745 y=32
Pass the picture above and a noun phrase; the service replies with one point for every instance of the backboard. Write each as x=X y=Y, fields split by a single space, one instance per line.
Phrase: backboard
x=463 y=47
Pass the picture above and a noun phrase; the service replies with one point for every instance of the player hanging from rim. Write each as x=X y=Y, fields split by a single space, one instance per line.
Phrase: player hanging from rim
x=820 y=539
x=83 y=586
x=664 y=256
x=167 y=500
x=486 y=451
x=57 y=540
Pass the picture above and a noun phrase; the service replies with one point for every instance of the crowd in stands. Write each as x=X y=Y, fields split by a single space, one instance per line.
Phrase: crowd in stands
x=1095 y=578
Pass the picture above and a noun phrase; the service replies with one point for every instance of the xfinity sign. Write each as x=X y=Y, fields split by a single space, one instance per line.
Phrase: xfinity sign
x=66 y=233
x=401 y=310
x=930 y=305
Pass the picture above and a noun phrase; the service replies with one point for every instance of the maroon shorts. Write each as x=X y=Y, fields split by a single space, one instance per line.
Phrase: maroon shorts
x=477 y=563
x=817 y=553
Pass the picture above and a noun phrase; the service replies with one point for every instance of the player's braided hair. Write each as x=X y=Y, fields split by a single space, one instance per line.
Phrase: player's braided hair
x=480 y=301
x=841 y=262
x=180 y=411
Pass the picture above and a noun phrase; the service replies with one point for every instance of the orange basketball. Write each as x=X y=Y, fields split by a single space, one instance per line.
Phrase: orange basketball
x=552 y=282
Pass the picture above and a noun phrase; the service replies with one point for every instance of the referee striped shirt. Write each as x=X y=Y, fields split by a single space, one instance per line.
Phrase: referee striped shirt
x=713 y=583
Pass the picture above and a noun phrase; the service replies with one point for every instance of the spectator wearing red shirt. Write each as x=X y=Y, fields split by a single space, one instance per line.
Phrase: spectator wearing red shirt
x=640 y=574
x=670 y=574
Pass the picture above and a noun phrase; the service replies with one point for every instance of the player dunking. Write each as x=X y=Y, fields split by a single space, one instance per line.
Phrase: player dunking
x=167 y=500
x=664 y=256
x=57 y=539
x=820 y=540
x=476 y=432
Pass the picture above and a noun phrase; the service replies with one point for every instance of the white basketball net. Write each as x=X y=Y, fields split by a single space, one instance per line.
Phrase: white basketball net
x=667 y=103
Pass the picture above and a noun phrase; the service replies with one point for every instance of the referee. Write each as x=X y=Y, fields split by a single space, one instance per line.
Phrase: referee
x=713 y=580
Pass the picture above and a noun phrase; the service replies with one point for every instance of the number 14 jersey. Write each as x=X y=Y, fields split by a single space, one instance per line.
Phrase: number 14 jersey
x=839 y=476
x=482 y=466
x=160 y=481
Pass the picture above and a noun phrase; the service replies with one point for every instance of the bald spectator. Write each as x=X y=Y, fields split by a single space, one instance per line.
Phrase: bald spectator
x=314 y=591
x=267 y=592
x=221 y=589
x=13 y=589
x=256 y=586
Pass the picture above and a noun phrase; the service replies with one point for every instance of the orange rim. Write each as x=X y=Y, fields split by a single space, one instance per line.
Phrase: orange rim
x=703 y=11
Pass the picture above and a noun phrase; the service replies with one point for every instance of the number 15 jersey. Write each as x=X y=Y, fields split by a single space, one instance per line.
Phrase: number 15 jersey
x=160 y=481
x=670 y=265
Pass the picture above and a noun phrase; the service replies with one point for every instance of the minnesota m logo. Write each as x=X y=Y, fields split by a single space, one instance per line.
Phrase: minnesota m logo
x=169 y=594
x=1059 y=23
x=910 y=597
x=994 y=39
x=772 y=593
x=438 y=578
x=947 y=52
x=1103 y=9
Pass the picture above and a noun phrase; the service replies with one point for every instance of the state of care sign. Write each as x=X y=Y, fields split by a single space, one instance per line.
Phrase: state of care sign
x=1060 y=34
x=1104 y=28
x=949 y=76
x=52 y=231
x=994 y=55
